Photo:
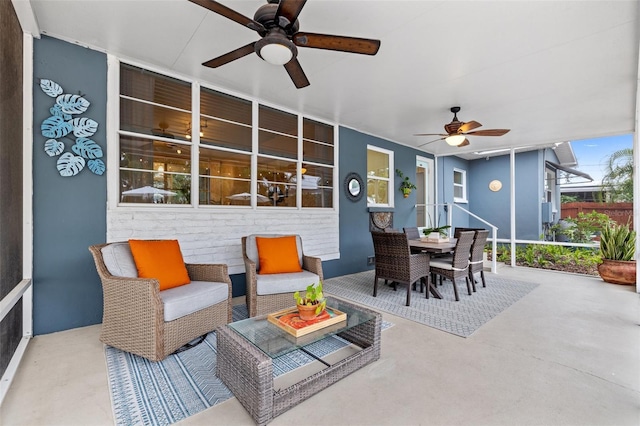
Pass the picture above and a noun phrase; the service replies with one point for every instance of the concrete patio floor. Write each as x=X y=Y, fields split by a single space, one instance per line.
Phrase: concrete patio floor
x=567 y=353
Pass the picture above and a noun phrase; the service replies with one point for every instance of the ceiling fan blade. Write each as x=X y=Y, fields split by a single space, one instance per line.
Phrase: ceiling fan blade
x=296 y=73
x=231 y=56
x=469 y=126
x=289 y=9
x=364 y=46
x=223 y=10
x=427 y=143
x=489 y=132
x=464 y=143
x=430 y=134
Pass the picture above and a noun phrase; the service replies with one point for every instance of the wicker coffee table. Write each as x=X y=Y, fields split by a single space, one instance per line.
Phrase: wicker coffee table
x=246 y=350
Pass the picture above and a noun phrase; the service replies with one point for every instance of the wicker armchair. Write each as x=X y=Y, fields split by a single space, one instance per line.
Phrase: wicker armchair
x=133 y=317
x=260 y=302
x=476 y=263
x=395 y=262
x=458 y=265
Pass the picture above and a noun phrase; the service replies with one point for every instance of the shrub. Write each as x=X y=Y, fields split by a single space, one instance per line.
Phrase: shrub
x=581 y=260
x=583 y=227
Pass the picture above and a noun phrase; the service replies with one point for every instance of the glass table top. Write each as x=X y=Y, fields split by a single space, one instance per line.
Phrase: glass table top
x=274 y=341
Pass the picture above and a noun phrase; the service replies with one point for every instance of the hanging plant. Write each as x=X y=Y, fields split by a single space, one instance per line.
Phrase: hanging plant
x=405 y=184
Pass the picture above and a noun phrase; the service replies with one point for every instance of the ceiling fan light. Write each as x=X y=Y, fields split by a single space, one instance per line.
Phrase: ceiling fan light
x=276 y=54
x=455 y=140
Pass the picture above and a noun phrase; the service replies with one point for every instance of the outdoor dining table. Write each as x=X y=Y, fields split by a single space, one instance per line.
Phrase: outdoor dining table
x=433 y=247
x=430 y=247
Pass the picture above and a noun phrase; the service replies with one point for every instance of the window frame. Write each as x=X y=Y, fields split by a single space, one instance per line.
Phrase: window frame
x=390 y=180
x=114 y=170
x=462 y=185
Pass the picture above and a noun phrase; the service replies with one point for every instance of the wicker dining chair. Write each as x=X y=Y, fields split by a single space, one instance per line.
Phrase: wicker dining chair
x=133 y=318
x=413 y=234
x=394 y=262
x=476 y=262
x=458 y=265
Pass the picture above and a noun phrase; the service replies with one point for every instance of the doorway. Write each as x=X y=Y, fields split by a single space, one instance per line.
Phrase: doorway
x=425 y=183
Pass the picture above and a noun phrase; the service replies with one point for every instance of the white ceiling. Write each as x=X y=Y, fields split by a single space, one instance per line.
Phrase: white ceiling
x=551 y=71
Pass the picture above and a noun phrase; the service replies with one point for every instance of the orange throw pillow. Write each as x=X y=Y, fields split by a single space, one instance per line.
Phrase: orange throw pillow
x=278 y=255
x=160 y=259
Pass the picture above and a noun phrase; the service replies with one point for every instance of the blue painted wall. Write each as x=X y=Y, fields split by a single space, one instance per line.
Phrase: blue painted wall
x=69 y=212
x=495 y=206
x=529 y=194
x=445 y=192
x=355 y=238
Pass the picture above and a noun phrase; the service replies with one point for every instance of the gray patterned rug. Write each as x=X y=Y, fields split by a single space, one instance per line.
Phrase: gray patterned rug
x=161 y=393
x=460 y=318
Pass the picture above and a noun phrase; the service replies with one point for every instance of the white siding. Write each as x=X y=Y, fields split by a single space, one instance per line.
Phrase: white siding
x=213 y=236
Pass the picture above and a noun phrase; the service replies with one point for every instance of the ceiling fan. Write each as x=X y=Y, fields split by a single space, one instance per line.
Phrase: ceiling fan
x=457 y=131
x=277 y=23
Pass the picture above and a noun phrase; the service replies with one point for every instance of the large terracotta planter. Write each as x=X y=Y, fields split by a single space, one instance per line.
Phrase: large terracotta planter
x=618 y=271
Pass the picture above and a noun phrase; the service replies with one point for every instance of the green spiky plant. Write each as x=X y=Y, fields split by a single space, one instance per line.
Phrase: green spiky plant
x=617 y=242
x=313 y=296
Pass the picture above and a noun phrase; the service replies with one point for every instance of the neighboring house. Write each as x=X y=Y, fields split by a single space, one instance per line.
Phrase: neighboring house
x=481 y=185
x=588 y=193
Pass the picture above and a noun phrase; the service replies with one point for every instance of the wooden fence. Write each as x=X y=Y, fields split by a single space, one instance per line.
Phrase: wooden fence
x=620 y=212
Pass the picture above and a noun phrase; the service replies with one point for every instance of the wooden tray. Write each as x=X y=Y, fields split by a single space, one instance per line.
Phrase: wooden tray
x=289 y=321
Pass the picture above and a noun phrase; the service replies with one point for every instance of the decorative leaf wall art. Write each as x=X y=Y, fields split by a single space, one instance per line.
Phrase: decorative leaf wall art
x=87 y=148
x=53 y=147
x=51 y=88
x=72 y=104
x=55 y=127
x=61 y=124
x=83 y=127
x=69 y=164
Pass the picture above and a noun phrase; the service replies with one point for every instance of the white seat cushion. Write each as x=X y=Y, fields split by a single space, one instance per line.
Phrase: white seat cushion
x=119 y=261
x=192 y=297
x=284 y=283
x=444 y=265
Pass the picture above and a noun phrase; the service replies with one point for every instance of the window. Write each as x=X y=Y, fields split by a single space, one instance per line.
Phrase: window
x=224 y=170
x=317 y=169
x=379 y=178
x=549 y=184
x=459 y=186
x=155 y=154
x=163 y=143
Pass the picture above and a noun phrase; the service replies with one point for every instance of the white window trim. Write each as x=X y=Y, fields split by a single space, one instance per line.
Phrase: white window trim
x=390 y=179
x=462 y=185
x=113 y=142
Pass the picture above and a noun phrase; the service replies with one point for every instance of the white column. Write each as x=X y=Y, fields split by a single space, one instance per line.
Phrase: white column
x=636 y=178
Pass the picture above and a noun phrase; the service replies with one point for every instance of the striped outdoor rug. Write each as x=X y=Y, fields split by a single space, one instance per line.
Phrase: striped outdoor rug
x=161 y=393
x=460 y=318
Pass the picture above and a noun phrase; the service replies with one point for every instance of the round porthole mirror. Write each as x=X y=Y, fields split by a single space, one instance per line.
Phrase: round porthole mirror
x=354 y=186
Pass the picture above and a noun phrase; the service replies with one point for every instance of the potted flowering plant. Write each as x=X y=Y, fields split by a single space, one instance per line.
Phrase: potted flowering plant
x=312 y=303
x=435 y=229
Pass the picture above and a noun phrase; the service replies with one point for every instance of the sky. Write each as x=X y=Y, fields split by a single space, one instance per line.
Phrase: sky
x=592 y=154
